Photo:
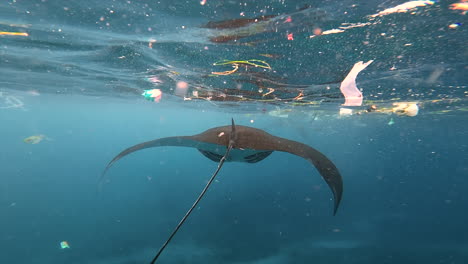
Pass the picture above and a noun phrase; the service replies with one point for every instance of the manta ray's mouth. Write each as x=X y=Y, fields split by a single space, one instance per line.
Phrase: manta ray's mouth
x=211 y=155
x=257 y=156
x=240 y=155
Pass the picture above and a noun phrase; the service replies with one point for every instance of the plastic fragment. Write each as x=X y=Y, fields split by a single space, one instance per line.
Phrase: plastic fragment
x=346 y=112
x=403 y=8
x=6 y=33
x=64 y=245
x=353 y=97
x=34 y=139
x=462 y=5
x=152 y=95
x=405 y=109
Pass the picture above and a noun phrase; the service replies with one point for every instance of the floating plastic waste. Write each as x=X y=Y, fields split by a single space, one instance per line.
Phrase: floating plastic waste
x=403 y=8
x=405 y=108
x=237 y=63
x=34 y=139
x=407 y=7
x=64 y=245
x=153 y=95
x=346 y=111
x=353 y=97
x=282 y=113
x=24 y=34
x=462 y=5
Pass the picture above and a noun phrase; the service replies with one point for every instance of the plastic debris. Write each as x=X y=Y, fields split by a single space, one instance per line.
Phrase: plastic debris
x=34 y=139
x=462 y=6
x=398 y=108
x=251 y=62
x=332 y=31
x=237 y=63
x=281 y=113
x=153 y=95
x=181 y=88
x=155 y=80
x=5 y=33
x=64 y=245
x=151 y=42
x=403 y=8
x=270 y=90
x=346 y=111
x=271 y=56
x=353 y=97
x=235 y=68
x=405 y=108
x=409 y=6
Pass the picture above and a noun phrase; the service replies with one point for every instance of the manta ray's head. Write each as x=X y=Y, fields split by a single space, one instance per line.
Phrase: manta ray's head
x=244 y=137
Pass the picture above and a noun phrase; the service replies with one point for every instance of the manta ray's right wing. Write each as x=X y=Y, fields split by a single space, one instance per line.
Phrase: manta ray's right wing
x=325 y=166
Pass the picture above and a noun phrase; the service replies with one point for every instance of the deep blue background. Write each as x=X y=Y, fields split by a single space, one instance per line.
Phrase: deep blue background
x=404 y=188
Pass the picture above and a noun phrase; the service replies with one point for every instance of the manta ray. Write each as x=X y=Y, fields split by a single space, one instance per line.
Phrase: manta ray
x=241 y=144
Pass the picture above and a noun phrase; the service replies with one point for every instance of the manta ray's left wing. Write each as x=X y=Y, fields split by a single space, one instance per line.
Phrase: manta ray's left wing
x=182 y=141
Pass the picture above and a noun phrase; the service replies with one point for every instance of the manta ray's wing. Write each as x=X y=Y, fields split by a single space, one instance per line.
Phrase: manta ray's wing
x=325 y=167
x=182 y=141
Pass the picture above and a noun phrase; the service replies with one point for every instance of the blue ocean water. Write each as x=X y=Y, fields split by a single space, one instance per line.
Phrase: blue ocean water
x=72 y=75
